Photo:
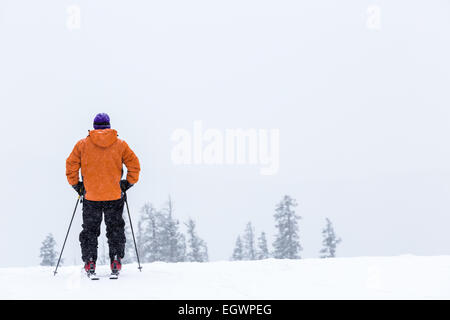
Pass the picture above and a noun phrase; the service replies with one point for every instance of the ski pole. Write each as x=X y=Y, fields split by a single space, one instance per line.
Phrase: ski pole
x=73 y=215
x=132 y=232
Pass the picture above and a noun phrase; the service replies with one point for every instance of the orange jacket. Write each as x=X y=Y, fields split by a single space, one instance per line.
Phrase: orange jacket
x=100 y=156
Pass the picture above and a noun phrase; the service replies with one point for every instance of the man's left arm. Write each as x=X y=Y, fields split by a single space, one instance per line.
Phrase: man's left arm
x=73 y=164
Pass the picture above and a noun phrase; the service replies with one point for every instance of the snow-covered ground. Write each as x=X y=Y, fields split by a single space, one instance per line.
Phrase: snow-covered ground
x=402 y=277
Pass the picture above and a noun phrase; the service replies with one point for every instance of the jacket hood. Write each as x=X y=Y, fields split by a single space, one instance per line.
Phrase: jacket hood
x=103 y=138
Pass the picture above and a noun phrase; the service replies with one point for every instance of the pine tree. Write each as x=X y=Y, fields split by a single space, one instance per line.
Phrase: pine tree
x=263 y=251
x=48 y=254
x=330 y=241
x=249 y=243
x=238 y=252
x=149 y=234
x=158 y=236
x=198 y=251
x=173 y=242
x=130 y=252
x=140 y=237
x=287 y=243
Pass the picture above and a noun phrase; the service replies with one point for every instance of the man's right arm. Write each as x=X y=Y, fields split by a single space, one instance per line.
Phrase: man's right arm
x=131 y=161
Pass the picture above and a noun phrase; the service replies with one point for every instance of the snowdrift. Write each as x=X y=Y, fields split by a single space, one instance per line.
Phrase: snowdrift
x=402 y=277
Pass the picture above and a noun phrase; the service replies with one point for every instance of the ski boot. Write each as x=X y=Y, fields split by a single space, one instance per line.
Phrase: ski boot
x=89 y=267
x=116 y=266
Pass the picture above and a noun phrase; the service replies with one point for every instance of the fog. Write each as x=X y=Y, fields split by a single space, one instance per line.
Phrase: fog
x=360 y=100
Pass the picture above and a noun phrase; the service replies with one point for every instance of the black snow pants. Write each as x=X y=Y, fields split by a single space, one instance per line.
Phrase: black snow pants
x=115 y=228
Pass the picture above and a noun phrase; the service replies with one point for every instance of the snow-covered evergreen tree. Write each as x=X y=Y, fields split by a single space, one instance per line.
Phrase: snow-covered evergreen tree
x=262 y=251
x=48 y=254
x=130 y=251
x=172 y=240
x=249 y=243
x=330 y=241
x=198 y=250
x=287 y=243
x=238 y=252
x=158 y=236
x=149 y=234
x=140 y=235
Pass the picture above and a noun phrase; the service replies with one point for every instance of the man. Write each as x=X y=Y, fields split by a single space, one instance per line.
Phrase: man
x=101 y=156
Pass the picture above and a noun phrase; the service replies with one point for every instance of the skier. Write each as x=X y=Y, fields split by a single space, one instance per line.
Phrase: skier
x=101 y=156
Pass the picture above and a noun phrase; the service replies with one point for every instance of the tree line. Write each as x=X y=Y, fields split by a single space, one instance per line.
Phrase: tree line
x=159 y=238
x=287 y=240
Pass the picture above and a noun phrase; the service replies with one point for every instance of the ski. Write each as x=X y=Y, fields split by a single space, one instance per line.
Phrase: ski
x=93 y=276
x=114 y=276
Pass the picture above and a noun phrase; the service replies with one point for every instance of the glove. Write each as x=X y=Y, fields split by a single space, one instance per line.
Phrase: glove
x=125 y=185
x=79 y=188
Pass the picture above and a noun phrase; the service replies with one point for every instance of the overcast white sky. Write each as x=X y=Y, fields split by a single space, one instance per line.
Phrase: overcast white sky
x=364 y=115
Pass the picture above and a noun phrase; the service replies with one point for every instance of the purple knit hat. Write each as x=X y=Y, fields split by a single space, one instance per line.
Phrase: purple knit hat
x=101 y=121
